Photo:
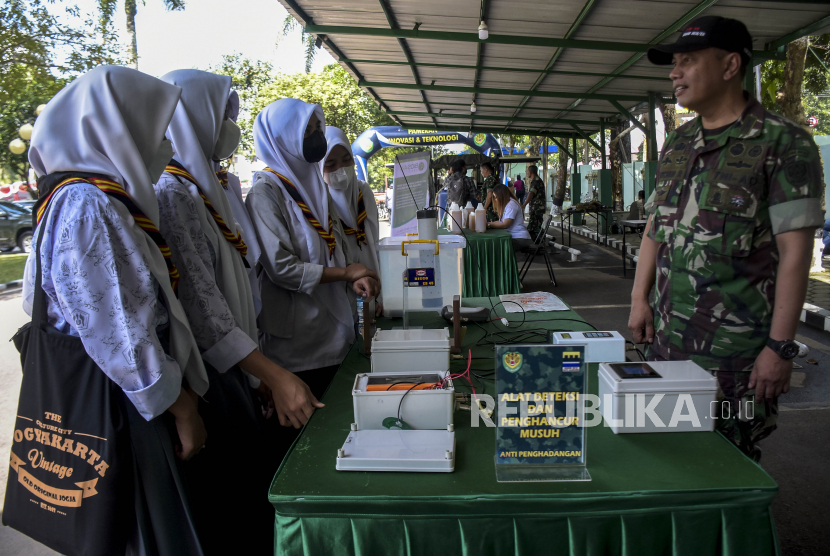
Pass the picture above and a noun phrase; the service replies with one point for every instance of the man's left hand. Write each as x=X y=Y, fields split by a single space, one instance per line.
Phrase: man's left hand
x=771 y=375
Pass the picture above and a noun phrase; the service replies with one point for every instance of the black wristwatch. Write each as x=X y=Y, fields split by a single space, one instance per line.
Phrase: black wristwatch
x=786 y=349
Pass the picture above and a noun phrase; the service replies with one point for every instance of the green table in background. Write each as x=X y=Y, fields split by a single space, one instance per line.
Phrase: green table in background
x=651 y=494
x=489 y=264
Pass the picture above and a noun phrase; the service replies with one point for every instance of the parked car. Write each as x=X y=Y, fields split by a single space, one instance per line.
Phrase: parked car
x=15 y=227
x=28 y=203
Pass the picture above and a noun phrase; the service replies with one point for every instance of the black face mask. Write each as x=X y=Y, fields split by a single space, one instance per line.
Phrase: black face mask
x=315 y=146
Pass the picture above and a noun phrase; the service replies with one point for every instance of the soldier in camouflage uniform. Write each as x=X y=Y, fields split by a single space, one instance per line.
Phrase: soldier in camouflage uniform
x=536 y=200
x=731 y=227
x=487 y=191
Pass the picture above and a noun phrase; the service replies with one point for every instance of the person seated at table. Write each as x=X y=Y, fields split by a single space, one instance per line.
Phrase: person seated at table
x=350 y=195
x=510 y=218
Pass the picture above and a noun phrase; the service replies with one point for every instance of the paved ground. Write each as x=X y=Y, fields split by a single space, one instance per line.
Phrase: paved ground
x=796 y=455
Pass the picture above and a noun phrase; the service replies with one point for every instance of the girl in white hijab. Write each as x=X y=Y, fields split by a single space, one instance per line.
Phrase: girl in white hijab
x=354 y=201
x=108 y=282
x=214 y=289
x=233 y=190
x=306 y=323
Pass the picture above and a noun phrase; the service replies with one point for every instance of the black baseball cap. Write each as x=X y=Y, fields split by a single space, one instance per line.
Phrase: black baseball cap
x=706 y=32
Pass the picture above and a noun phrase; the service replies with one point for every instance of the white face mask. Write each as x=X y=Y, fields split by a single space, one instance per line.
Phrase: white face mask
x=340 y=178
x=229 y=136
x=160 y=160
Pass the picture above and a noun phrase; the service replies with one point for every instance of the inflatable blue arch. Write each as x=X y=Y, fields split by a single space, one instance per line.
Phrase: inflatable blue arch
x=376 y=138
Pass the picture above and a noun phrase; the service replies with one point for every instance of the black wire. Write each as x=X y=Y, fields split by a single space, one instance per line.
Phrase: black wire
x=400 y=405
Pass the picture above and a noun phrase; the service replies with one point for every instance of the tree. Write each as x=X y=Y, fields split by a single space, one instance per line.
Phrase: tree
x=785 y=86
x=345 y=105
x=790 y=98
x=107 y=10
x=29 y=40
x=40 y=54
x=248 y=78
x=289 y=24
x=18 y=110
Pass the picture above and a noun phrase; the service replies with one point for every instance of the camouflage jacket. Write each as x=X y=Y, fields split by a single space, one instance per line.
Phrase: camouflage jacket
x=489 y=183
x=716 y=208
x=460 y=188
x=538 y=203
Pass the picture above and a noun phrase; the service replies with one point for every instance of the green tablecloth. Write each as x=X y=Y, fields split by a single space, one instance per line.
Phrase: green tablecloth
x=489 y=264
x=661 y=493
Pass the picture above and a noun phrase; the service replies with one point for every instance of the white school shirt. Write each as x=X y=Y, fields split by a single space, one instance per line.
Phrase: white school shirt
x=297 y=329
x=517 y=229
x=99 y=287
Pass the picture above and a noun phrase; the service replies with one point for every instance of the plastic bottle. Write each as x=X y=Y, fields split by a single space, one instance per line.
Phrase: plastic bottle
x=468 y=210
x=481 y=219
x=455 y=220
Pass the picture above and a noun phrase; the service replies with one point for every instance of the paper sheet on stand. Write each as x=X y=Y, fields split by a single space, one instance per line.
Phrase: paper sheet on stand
x=537 y=301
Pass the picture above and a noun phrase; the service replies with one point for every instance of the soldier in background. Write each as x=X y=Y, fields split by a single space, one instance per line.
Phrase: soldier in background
x=730 y=232
x=535 y=200
x=487 y=191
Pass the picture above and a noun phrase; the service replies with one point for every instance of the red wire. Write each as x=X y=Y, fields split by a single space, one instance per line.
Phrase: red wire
x=465 y=375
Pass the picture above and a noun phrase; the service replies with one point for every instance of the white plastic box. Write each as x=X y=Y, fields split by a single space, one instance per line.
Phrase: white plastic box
x=421 y=409
x=688 y=393
x=449 y=273
x=411 y=351
x=600 y=346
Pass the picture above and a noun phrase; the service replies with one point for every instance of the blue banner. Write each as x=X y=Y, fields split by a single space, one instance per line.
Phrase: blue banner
x=376 y=138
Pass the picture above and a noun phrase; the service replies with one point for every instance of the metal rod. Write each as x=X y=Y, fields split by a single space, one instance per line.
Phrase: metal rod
x=478 y=116
x=652 y=127
x=585 y=136
x=628 y=115
x=602 y=142
x=683 y=20
x=473 y=37
x=510 y=92
x=798 y=33
x=496 y=68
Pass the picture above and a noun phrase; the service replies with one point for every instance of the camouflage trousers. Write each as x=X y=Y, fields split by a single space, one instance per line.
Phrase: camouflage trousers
x=741 y=418
x=534 y=223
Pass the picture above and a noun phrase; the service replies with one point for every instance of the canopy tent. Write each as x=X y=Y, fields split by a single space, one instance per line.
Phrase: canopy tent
x=562 y=70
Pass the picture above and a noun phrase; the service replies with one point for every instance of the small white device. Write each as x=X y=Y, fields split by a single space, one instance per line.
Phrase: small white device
x=658 y=396
x=411 y=351
x=398 y=450
x=600 y=346
x=379 y=397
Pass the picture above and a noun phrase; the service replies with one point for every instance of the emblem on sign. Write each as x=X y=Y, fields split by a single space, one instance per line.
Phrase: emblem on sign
x=738 y=201
x=512 y=361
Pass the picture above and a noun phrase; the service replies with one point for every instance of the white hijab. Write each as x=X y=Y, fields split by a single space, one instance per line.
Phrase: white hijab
x=345 y=201
x=111 y=121
x=278 y=139
x=194 y=132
